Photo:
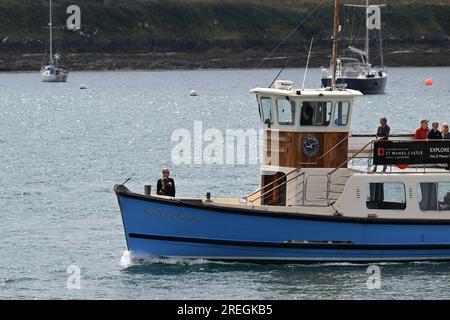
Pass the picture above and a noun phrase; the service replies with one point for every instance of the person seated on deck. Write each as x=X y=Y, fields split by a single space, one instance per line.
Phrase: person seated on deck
x=445 y=205
x=434 y=133
x=422 y=131
x=307 y=115
x=166 y=185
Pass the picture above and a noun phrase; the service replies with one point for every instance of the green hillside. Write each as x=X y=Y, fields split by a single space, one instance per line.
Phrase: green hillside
x=122 y=26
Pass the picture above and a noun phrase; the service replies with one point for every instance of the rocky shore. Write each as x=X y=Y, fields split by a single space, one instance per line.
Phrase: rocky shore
x=425 y=54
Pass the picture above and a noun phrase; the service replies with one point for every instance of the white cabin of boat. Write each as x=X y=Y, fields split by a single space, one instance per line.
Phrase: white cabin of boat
x=304 y=129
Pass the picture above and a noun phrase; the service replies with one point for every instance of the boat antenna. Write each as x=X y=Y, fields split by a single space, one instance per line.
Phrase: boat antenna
x=279 y=73
x=335 y=43
x=307 y=63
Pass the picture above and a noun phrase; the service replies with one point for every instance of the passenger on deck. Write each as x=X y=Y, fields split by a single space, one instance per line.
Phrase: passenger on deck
x=445 y=205
x=446 y=136
x=445 y=133
x=166 y=185
x=434 y=133
x=422 y=131
x=383 y=134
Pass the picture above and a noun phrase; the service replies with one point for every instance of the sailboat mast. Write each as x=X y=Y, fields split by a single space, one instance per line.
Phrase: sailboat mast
x=367 y=32
x=381 y=50
x=335 y=42
x=51 y=33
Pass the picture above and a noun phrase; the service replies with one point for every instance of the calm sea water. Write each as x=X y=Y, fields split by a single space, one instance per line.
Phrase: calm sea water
x=62 y=150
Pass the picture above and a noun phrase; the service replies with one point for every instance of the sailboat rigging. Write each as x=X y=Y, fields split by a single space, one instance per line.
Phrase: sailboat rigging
x=53 y=71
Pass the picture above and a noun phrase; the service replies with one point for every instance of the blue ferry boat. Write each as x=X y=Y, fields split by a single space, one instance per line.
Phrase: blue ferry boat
x=315 y=203
x=312 y=205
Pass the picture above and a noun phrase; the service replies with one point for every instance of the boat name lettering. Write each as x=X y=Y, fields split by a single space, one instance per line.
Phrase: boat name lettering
x=171 y=215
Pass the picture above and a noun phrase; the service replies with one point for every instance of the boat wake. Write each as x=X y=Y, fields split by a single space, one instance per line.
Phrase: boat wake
x=129 y=260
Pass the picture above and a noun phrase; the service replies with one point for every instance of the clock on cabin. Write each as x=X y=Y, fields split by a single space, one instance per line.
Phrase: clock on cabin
x=310 y=146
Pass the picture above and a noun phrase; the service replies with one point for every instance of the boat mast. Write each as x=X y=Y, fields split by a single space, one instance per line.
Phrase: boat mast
x=335 y=43
x=381 y=50
x=366 y=49
x=50 y=24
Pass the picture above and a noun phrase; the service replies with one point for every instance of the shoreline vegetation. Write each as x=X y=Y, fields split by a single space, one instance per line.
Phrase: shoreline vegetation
x=203 y=34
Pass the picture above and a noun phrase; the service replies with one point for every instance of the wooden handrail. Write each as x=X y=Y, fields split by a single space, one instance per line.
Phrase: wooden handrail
x=283 y=183
x=286 y=175
x=352 y=157
x=334 y=147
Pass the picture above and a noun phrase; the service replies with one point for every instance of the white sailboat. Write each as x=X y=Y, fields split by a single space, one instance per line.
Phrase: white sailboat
x=54 y=71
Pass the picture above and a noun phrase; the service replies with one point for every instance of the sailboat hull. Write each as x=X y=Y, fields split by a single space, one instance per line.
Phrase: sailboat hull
x=375 y=85
x=53 y=78
x=158 y=227
x=52 y=73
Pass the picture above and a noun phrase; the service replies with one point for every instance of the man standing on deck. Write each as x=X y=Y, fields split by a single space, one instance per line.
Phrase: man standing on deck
x=383 y=134
x=434 y=133
x=166 y=185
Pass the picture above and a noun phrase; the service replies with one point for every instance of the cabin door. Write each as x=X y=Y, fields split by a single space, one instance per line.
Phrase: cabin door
x=274 y=189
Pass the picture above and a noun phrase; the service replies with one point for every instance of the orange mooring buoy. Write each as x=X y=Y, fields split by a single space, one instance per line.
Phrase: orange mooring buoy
x=428 y=82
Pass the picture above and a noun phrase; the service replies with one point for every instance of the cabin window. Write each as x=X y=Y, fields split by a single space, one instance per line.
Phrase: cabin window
x=386 y=196
x=286 y=111
x=266 y=110
x=316 y=113
x=434 y=196
x=341 y=113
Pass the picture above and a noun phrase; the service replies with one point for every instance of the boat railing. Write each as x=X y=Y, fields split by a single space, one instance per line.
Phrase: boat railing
x=269 y=184
x=358 y=140
x=325 y=198
x=353 y=156
x=263 y=192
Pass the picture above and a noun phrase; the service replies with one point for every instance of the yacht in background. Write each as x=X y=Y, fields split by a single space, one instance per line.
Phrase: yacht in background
x=53 y=71
x=359 y=74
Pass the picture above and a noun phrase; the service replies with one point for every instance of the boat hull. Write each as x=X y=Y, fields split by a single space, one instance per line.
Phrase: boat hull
x=375 y=85
x=53 y=77
x=170 y=228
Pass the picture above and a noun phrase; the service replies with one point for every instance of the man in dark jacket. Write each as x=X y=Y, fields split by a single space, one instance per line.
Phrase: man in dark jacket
x=434 y=133
x=383 y=134
x=166 y=185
